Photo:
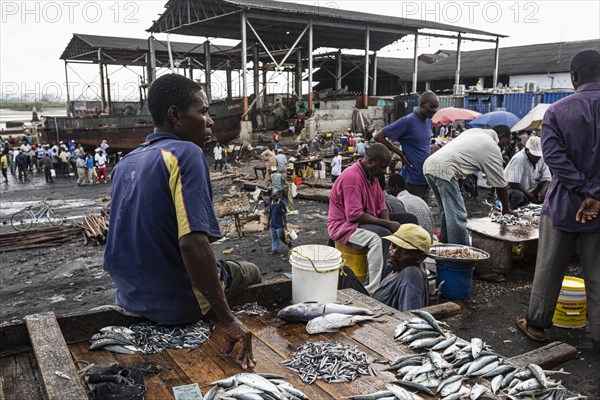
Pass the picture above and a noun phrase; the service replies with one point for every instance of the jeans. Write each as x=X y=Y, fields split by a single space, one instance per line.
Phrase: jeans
x=276 y=146
x=452 y=210
x=276 y=234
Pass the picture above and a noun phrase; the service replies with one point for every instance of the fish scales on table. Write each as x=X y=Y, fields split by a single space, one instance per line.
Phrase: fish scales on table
x=304 y=312
x=332 y=362
x=249 y=309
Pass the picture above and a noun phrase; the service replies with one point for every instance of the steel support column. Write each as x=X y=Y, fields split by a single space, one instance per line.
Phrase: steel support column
x=228 y=81
x=310 y=66
x=496 y=62
x=264 y=79
x=457 y=76
x=366 y=71
x=108 y=96
x=415 y=76
x=338 y=70
x=244 y=76
x=374 y=87
x=190 y=68
x=207 y=71
x=298 y=78
x=102 y=91
x=256 y=77
x=152 y=60
x=69 y=108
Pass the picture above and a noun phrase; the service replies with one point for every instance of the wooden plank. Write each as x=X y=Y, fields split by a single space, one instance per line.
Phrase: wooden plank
x=548 y=356
x=269 y=361
x=314 y=194
x=443 y=310
x=284 y=339
x=21 y=379
x=53 y=356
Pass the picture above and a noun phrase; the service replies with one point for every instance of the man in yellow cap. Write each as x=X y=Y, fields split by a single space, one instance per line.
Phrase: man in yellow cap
x=405 y=288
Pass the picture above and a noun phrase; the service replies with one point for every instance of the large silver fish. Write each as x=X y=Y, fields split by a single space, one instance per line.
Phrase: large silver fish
x=333 y=322
x=304 y=312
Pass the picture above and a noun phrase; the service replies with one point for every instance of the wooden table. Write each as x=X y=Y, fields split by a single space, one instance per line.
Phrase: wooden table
x=497 y=239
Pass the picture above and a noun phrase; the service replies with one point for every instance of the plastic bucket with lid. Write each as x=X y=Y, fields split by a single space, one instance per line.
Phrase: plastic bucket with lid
x=459 y=280
x=572 y=305
x=315 y=271
x=356 y=260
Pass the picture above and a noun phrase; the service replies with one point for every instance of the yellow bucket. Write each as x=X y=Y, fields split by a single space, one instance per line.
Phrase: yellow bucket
x=572 y=305
x=351 y=149
x=356 y=260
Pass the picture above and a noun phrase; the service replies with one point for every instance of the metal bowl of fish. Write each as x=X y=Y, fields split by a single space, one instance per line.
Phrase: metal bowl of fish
x=457 y=254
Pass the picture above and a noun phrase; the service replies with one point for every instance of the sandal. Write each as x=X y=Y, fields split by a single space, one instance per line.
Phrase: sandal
x=534 y=337
x=490 y=277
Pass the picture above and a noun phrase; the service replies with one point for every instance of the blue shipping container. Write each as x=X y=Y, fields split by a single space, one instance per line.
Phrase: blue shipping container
x=482 y=103
x=410 y=102
x=520 y=103
x=551 y=97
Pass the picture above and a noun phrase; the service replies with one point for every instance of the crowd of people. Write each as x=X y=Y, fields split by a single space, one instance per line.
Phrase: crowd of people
x=23 y=157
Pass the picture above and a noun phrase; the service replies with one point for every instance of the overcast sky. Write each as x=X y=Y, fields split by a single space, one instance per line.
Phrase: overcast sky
x=34 y=34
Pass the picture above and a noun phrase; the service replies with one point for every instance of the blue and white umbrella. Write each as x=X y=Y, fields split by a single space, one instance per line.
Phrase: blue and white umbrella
x=494 y=118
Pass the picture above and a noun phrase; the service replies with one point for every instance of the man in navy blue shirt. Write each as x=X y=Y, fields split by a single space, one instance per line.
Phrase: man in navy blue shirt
x=414 y=134
x=162 y=222
x=277 y=222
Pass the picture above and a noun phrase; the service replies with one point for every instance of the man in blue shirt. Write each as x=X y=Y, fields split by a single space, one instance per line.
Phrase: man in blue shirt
x=162 y=222
x=414 y=134
x=277 y=222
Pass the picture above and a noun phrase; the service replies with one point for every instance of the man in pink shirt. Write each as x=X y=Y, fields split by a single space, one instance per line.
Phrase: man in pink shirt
x=358 y=215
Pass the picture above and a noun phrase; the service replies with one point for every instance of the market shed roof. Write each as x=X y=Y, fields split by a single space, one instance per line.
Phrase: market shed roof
x=282 y=22
x=128 y=51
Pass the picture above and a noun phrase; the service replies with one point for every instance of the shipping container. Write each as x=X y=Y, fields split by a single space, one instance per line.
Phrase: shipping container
x=551 y=97
x=521 y=103
x=406 y=104
x=482 y=103
x=451 y=101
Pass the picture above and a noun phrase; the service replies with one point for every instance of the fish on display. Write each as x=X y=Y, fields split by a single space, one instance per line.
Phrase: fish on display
x=331 y=362
x=118 y=339
x=333 y=322
x=253 y=386
x=304 y=312
x=252 y=309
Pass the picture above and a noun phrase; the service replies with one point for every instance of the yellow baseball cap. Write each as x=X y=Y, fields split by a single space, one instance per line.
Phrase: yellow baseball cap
x=411 y=237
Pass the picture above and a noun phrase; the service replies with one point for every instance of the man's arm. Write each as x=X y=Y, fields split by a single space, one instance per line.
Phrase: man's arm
x=201 y=267
x=543 y=190
x=503 y=197
x=589 y=210
x=382 y=138
x=519 y=186
x=382 y=219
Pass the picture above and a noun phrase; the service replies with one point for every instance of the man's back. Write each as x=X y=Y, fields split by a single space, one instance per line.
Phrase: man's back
x=418 y=207
x=159 y=194
x=571 y=147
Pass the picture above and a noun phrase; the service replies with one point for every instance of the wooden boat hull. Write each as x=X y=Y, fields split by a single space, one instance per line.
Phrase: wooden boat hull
x=125 y=133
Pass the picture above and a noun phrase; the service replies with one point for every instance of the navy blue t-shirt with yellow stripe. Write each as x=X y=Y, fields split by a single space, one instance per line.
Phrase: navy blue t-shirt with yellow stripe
x=160 y=192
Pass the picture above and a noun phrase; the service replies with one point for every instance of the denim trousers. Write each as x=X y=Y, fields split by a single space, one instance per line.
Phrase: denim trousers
x=452 y=210
x=276 y=234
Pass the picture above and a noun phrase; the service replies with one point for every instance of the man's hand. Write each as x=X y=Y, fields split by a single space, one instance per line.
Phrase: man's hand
x=542 y=194
x=235 y=332
x=405 y=161
x=588 y=210
x=393 y=226
x=510 y=211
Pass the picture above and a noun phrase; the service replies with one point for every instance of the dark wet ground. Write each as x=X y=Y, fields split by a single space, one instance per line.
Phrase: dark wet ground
x=70 y=277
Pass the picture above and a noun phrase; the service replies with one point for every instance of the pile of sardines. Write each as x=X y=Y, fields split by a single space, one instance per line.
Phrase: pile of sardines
x=150 y=338
x=250 y=386
x=332 y=362
x=447 y=366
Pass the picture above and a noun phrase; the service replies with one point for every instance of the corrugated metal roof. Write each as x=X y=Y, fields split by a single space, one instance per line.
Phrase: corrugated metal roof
x=127 y=50
x=281 y=22
x=519 y=60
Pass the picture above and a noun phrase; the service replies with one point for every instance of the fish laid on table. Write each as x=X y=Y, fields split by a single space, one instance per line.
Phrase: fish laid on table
x=332 y=362
x=304 y=312
x=333 y=322
x=118 y=339
x=253 y=386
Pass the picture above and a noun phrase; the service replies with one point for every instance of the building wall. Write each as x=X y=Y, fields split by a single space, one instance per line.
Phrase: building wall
x=562 y=80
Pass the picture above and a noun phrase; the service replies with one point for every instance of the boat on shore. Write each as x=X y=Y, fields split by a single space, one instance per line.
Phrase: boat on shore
x=126 y=132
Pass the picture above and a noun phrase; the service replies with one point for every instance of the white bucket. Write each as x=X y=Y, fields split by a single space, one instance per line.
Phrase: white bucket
x=322 y=174
x=293 y=235
x=315 y=270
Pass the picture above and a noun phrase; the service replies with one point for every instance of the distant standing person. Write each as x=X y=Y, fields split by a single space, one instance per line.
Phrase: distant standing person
x=89 y=163
x=269 y=156
x=218 y=154
x=275 y=141
x=104 y=147
x=4 y=166
x=336 y=165
x=100 y=159
x=48 y=164
x=81 y=170
x=571 y=148
x=22 y=165
x=277 y=222
x=414 y=134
